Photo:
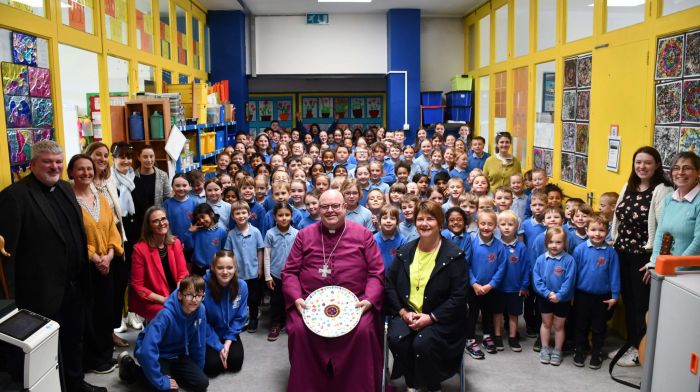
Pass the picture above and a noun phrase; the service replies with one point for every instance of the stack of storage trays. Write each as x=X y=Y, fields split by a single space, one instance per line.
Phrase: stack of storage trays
x=431 y=107
x=459 y=106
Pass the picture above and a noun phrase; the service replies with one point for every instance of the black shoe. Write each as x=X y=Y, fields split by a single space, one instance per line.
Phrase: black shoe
x=579 y=357
x=538 y=345
x=596 y=360
x=105 y=368
x=515 y=344
x=568 y=347
x=85 y=387
x=253 y=326
x=472 y=348
x=126 y=367
x=498 y=341
x=489 y=345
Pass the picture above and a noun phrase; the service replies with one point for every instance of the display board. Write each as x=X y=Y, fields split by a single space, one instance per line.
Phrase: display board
x=677 y=103
x=360 y=110
x=262 y=109
x=575 y=116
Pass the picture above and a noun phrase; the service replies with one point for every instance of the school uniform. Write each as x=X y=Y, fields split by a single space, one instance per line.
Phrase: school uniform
x=476 y=162
x=280 y=244
x=308 y=221
x=269 y=220
x=223 y=209
x=381 y=185
x=204 y=243
x=530 y=229
x=459 y=173
x=408 y=230
x=362 y=216
x=245 y=249
x=388 y=246
x=447 y=205
x=257 y=214
x=463 y=240
x=576 y=240
x=179 y=214
x=365 y=192
x=555 y=274
x=519 y=206
x=432 y=172
x=487 y=265
x=515 y=279
x=196 y=197
x=389 y=177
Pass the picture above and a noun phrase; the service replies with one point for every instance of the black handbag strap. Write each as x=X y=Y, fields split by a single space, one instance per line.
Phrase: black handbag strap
x=613 y=362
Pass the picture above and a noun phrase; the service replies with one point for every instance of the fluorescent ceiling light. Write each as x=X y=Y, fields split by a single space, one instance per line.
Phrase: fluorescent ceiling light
x=344 y=1
x=622 y=3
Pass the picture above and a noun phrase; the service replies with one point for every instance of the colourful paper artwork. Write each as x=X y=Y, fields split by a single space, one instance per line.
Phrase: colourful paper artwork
x=326 y=106
x=542 y=159
x=690 y=110
x=583 y=71
x=18 y=112
x=570 y=73
x=668 y=103
x=284 y=108
x=341 y=107
x=568 y=111
x=374 y=107
x=567 y=167
x=581 y=170
x=669 y=58
x=42 y=112
x=568 y=138
x=358 y=107
x=23 y=48
x=42 y=134
x=251 y=111
x=15 y=79
x=690 y=139
x=20 y=143
x=582 y=138
x=692 y=54
x=549 y=162
x=39 y=82
x=310 y=107
x=265 y=108
x=583 y=104
x=76 y=15
x=666 y=140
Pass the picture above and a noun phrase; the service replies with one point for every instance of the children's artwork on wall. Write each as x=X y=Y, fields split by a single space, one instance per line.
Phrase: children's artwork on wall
x=309 y=107
x=341 y=107
x=568 y=110
x=542 y=159
x=583 y=104
x=692 y=54
x=265 y=108
x=18 y=112
x=24 y=49
x=690 y=139
x=570 y=73
x=374 y=107
x=15 y=79
x=42 y=112
x=326 y=107
x=668 y=103
x=582 y=138
x=284 y=109
x=580 y=170
x=690 y=110
x=549 y=162
x=567 y=167
x=584 y=69
x=666 y=140
x=548 y=91
x=251 y=111
x=358 y=107
x=669 y=57
x=20 y=143
x=42 y=134
x=39 y=82
x=568 y=138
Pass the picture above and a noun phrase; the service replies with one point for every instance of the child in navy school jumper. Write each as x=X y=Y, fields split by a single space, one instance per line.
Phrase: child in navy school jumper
x=180 y=207
x=196 y=180
x=509 y=295
x=226 y=305
x=554 y=278
x=456 y=221
x=214 y=192
x=578 y=225
x=247 y=245
x=278 y=243
x=246 y=189
x=538 y=181
x=205 y=237
x=171 y=349
x=407 y=228
x=529 y=230
x=569 y=208
x=477 y=155
x=388 y=238
x=280 y=193
x=597 y=290
x=520 y=199
x=486 y=271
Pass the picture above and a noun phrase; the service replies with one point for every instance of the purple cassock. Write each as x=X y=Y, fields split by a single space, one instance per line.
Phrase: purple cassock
x=352 y=362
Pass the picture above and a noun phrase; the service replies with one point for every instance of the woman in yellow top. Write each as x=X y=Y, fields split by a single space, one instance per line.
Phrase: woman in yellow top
x=500 y=166
x=104 y=242
x=425 y=294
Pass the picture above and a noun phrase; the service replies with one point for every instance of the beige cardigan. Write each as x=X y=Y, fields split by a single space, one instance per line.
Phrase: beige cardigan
x=113 y=197
x=655 y=210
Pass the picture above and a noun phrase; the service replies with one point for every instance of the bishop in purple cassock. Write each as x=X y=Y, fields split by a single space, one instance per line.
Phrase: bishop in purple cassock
x=341 y=253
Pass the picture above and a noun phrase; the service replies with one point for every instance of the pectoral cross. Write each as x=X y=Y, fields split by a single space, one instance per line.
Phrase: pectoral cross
x=325 y=271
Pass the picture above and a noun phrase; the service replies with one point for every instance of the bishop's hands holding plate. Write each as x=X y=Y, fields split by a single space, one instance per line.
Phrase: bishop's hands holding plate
x=340 y=258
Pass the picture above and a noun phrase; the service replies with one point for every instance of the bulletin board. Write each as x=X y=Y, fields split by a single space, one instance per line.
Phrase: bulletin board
x=262 y=109
x=677 y=115
x=360 y=110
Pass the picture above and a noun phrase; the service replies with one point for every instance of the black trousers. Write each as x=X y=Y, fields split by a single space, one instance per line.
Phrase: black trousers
x=635 y=294
x=479 y=304
x=70 y=336
x=591 y=313
x=531 y=313
x=234 y=361
x=98 y=346
x=277 y=313
x=183 y=369
x=121 y=270
x=255 y=291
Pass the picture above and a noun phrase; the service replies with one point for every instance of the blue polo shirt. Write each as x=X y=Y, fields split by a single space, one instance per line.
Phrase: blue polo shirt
x=257 y=214
x=530 y=229
x=476 y=162
x=597 y=269
x=388 y=246
x=519 y=206
x=433 y=172
x=269 y=220
x=224 y=210
x=517 y=276
x=245 y=248
x=488 y=262
x=463 y=241
x=456 y=172
x=360 y=215
x=555 y=273
x=408 y=230
x=381 y=185
x=179 y=214
x=280 y=245
x=308 y=221
x=538 y=248
x=205 y=242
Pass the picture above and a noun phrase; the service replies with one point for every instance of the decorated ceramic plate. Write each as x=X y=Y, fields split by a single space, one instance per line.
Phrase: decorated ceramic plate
x=331 y=311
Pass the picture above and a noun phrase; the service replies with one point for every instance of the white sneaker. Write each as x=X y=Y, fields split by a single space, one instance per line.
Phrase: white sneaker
x=122 y=328
x=133 y=320
x=630 y=359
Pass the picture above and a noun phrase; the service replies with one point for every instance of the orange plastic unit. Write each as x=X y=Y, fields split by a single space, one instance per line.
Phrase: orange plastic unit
x=694 y=363
x=666 y=265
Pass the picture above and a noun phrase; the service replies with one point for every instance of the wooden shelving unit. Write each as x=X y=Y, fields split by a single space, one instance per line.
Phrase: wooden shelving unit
x=147 y=107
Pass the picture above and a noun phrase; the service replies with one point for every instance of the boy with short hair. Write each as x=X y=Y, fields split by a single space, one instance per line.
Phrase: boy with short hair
x=578 y=225
x=529 y=230
x=606 y=204
x=342 y=154
x=280 y=194
x=441 y=179
x=554 y=195
x=196 y=180
x=455 y=188
x=379 y=153
x=477 y=155
x=503 y=198
x=388 y=237
x=407 y=228
x=486 y=203
x=246 y=188
x=520 y=199
x=597 y=290
x=222 y=161
x=538 y=180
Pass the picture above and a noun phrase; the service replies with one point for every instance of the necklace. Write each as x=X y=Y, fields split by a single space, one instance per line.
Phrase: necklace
x=325 y=271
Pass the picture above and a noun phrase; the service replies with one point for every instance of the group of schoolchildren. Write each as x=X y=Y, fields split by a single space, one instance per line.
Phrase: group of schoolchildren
x=524 y=251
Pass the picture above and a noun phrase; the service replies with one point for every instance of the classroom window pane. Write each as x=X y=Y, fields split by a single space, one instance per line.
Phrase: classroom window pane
x=522 y=27
x=144 y=25
x=78 y=15
x=546 y=23
x=147 y=78
x=183 y=79
x=500 y=91
x=115 y=21
x=484 y=113
x=502 y=33
x=543 y=141
x=197 y=42
x=520 y=100
x=164 y=25
x=579 y=19
x=35 y=7
x=672 y=6
x=472 y=46
x=485 y=41
x=623 y=13
x=181 y=35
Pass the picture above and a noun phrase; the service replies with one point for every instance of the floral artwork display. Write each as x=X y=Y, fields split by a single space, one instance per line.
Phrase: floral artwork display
x=358 y=107
x=42 y=112
x=18 y=112
x=690 y=110
x=692 y=54
x=690 y=139
x=584 y=68
x=568 y=138
x=341 y=107
x=568 y=161
x=326 y=106
x=39 y=82
x=15 y=79
x=669 y=57
x=666 y=140
x=265 y=109
x=582 y=138
x=583 y=104
x=570 y=73
x=374 y=107
x=251 y=112
x=668 y=103
x=568 y=110
x=284 y=108
x=309 y=107
x=20 y=143
x=24 y=49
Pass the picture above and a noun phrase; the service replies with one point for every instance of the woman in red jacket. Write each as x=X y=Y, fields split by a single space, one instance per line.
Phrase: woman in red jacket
x=158 y=265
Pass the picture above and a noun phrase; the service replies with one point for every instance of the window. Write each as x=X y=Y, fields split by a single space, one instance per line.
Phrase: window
x=546 y=24
x=197 y=42
x=181 y=35
x=672 y=6
x=144 y=25
x=623 y=13
x=502 y=33
x=472 y=46
x=164 y=22
x=579 y=19
x=522 y=27
x=485 y=41
x=484 y=113
x=520 y=101
x=78 y=15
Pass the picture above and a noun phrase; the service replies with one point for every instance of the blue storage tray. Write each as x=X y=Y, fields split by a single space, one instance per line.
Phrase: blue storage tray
x=433 y=116
x=459 y=98
x=220 y=141
x=459 y=113
x=431 y=98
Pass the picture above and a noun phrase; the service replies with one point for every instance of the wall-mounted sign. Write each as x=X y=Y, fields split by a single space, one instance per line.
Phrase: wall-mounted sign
x=317 y=19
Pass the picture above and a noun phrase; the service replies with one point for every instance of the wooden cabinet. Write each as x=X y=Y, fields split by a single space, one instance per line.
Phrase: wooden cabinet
x=147 y=107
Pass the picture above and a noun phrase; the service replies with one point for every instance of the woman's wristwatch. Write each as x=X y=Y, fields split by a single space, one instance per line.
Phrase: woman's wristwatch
x=432 y=318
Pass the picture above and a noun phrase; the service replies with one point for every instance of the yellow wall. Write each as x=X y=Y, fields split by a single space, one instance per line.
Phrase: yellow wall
x=622 y=90
x=51 y=28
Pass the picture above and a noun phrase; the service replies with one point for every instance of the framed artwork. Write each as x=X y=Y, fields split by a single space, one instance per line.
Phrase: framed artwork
x=548 y=92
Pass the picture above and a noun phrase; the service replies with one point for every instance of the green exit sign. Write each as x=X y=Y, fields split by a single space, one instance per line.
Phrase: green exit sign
x=317 y=19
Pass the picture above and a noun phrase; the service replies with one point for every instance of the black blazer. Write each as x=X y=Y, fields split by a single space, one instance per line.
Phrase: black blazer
x=37 y=267
x=445 y=292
